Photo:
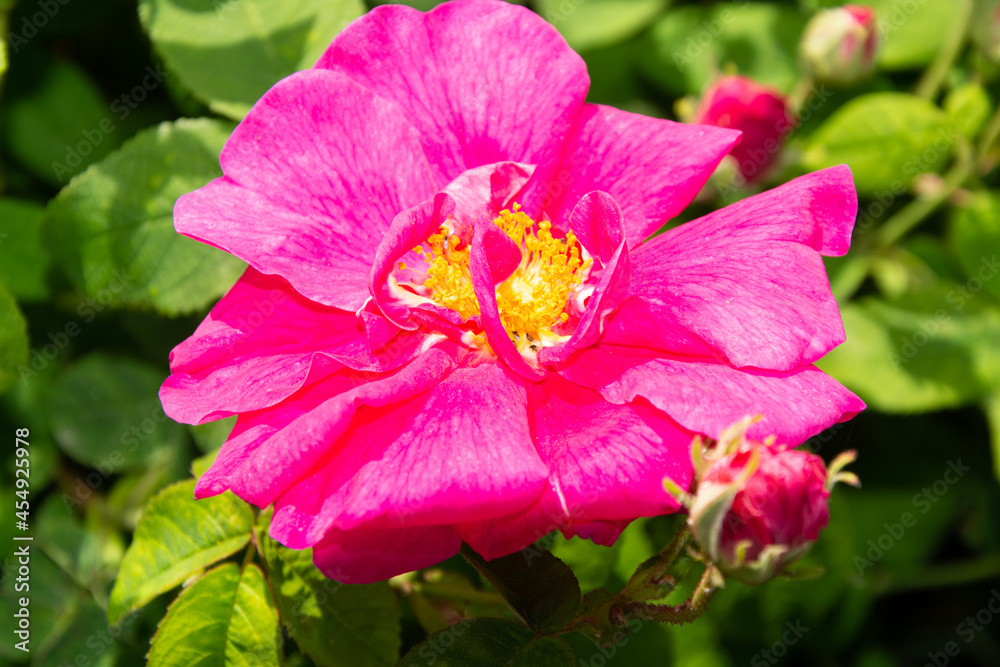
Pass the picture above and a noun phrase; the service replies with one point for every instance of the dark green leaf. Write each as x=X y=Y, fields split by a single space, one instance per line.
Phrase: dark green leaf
x=598 y=23
x=61 y=125
x=913 y=31
x=225 y=619
x=13 y=340
x=969 y=107
x=975 y=235
x=177 y=537
x=105 y=413
x=886 y=138
x=229 y=52
x=489 y=642
x=111 y=230
x=690 y=44
x=537 y=585
x=23 y=261
x=335 y=624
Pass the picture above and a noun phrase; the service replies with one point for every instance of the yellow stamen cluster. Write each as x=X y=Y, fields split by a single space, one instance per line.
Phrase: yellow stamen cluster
x=533 y=299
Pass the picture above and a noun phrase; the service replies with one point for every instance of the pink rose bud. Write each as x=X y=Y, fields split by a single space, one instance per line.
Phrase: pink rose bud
x=760 y=112
x=840 y=45
x=758 y=508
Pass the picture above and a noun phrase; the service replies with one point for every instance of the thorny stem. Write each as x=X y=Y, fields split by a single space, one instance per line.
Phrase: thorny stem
x=685 y=612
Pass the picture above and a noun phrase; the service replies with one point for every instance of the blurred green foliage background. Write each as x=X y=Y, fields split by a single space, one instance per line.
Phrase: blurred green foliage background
x=111 y=109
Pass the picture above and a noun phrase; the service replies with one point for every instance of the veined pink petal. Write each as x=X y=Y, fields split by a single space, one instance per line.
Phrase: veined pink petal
x=483 y=82
x=259 y=342
x=745 y=283
x=461 y=450
x=606 y=467
x=270 y=450
x=708 y=395
x=365 y=556
x=597 y=222
x=653 y=168
x=313 y=177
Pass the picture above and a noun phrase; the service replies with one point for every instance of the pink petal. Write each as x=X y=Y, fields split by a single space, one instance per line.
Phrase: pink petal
x=597 y=222
x=607 y=463
x=461 y=451
x=482 y=81
x=745 y=283
x=653 y=168
x=313 y=177
x=259 y=342
x=707 y=395
x=365 y=556
x=270 y=450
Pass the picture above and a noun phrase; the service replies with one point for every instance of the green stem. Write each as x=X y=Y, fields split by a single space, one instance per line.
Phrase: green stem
x=953 y=574
x=986 y=142
x=934 y=77
x=454 y=593
x=659 y=575
x=686 y=612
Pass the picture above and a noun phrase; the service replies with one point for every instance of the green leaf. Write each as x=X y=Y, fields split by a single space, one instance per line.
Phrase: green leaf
x=229 y=52
x=597 y=23
x=105 y=413
x=210 y=436
x=690 y=44
x=90 y=553
x=225 y=619
x=177 y=536
x=969 y=107
x=975 y=235
x=886 y=138
x=931 y=351
x=539 y=587
x=111 y=230
x=489 y=642
x=13 y=340
x=61 y=125
x=913 y=31
x=23 y=260
x=335 y=624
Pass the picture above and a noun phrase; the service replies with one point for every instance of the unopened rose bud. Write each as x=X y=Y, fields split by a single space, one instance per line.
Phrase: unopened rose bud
x=760 y=112
x=840 y=45
x=758 y=508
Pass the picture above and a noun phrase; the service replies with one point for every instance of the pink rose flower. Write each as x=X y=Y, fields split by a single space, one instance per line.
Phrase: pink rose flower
x=840 y=45
x=760 y=112
x=452 y=328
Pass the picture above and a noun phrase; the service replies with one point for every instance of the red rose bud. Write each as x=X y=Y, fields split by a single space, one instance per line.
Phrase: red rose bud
x=760 y=112
x=840 y=45
x=758 y=508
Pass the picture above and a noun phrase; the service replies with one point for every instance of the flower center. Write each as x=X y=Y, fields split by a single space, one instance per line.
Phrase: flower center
x=532 y=301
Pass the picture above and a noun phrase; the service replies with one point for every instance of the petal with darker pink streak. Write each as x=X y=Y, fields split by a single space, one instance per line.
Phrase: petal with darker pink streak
x=482 y=81
x=708 y=395
x=606 y=467
x=745 y=283
x=460 y=451
x=365 y=556
x=314 y=175
x=260 y=341
x=272 y=449
x=652 y=167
